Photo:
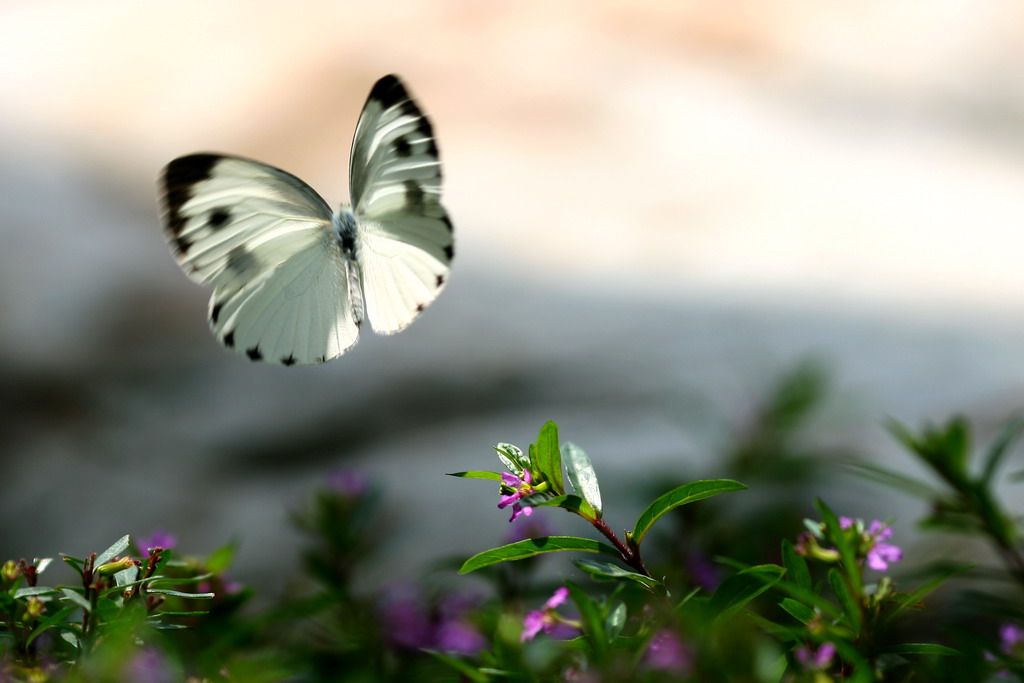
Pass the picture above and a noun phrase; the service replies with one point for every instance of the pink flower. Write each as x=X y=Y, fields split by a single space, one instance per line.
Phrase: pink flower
x=666 y=652
x=544 y=619
x=816 y=661
x=159 y=539
x=513 y=489
x=881 y=554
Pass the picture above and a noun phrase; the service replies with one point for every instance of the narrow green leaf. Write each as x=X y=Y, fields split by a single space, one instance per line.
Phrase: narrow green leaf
x=739 y=589
x=894 y=480
x=113 y=552
x=1001 y=446
x=76 y=598
x=687 y=493
x=71 y=638
x=920 y=649
x=468 y=671
x=181 y=594
x=512 y=457
x=57 y=618
x=220 y=559
x=616 y=620
x=851 y=607
x=914 y=598
x=842 y=542
x=581 y=474
x=197 y=613
x=798 y=610
x=29 y=591
x=605 y=571
x=126 y=576
x=477 y=474
x=546 y=457
x=796 y=566
x=590 y=615
x=535 y=546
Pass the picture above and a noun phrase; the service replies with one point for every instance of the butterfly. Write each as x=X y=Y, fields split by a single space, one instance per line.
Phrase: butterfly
x=292 y=280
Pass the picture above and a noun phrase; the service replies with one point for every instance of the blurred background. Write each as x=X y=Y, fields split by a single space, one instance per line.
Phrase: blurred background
x=661 y=209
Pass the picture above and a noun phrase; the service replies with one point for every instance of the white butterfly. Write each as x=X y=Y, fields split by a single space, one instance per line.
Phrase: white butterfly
x=292 y=280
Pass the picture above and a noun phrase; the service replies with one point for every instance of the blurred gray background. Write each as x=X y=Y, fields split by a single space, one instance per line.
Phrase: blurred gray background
x=660 y=207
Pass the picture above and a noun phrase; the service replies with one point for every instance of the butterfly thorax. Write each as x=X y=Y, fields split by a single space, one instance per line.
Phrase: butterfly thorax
x=344 y=224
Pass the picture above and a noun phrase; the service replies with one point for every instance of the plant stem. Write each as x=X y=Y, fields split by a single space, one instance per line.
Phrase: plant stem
x=629 y=556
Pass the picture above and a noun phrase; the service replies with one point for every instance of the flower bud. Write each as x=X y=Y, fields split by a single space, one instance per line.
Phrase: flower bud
x=116 y=566
x=34 y=608
x=10 y=570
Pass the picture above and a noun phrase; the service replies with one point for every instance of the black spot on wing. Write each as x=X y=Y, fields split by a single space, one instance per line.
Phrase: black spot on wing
x=290 y=360
x=218 y=218
x=229 y=339
x=419 y=308
x=389 y=91
x=215 y=312
x=254 y=353
x=447 y=222
x=181 y=245
x=402 y=147
x=440 y=280
x=414 y=194
x=242 y=260
x=449 y=251
x=179 y=178
x=321 y=359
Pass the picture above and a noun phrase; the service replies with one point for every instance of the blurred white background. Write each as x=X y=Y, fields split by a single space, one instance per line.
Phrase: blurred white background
x=659 y=207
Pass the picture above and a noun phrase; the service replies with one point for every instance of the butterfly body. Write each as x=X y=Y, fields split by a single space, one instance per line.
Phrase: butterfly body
x=293 y=281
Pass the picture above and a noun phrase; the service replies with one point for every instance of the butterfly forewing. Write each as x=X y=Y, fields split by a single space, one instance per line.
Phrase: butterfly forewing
x=263 y=239
x=405 y=244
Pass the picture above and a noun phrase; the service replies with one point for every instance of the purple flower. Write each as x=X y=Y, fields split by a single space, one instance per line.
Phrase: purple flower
x=513 y=489
x=411 y=623
x=148 y=666
x=159 y=539
x=1011 y=640
x=544 y=619
x=880 y=554
x=666 y=652
x=816 y=661
x=348 y=483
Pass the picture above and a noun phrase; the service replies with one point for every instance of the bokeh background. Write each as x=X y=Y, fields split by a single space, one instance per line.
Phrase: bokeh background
x=660 y=209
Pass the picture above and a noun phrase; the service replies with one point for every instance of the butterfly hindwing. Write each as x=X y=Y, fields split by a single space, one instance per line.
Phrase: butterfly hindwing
x=405 y=243
x=263 y=239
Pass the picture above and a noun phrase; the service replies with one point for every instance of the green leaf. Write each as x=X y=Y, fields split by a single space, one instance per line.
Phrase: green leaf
x=1001 y=446
x=41 y=564
x=850 y=605
x=57 y=618
x=616 y=620
x=894 y=480
x=197 y=613
x=547 y=459
x=29 y=591
x=113 y=552
x=920 y=649
x=126 y=576
x=71 y=638
x=535 y=546
x=468 y=671
x=593 y=622
x=687 y=493
x=796 y=566
x=181 y=594
x=842 y=542
x=582 y=475
x=739 y=589
x=476 y=474
x=605 y=571
x=798 y=610
x=76 y=598
x=914 y=598
x=512 y=457
x=220 y=559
